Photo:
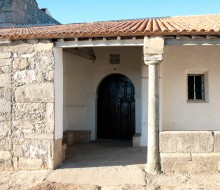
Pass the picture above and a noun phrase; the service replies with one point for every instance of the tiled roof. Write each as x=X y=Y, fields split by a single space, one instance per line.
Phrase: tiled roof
x=182 y=25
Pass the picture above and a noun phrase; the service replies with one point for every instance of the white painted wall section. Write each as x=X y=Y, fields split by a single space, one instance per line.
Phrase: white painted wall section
x=177 y=113
x=82 y=78
x=58 y=56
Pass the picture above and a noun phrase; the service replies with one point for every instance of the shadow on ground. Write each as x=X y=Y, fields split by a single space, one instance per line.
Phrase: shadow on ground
x=104 y=153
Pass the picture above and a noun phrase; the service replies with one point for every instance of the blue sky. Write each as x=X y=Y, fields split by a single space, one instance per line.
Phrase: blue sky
x=76 y=11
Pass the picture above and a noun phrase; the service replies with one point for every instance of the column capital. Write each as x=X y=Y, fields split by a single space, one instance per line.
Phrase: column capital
x=153 y=45
x=153 y=59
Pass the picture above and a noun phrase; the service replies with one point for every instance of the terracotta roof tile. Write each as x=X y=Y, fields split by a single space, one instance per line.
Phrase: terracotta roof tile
x=182 y=25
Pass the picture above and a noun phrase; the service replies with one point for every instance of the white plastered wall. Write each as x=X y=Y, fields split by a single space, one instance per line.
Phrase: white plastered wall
x=58 y=81
x=177 y=113
x=82 y=78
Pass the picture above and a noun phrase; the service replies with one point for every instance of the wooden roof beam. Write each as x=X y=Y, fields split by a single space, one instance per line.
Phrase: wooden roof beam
x=87 y=53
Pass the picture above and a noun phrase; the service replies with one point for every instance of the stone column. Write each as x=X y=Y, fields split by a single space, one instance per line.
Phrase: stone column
x=153 y=50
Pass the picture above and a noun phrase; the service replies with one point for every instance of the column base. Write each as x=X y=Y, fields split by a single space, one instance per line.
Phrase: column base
x=153 y=168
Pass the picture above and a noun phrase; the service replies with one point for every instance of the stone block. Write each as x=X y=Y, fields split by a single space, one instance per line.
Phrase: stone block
x=5 y=80
x=5 y=155
x=21 y=64
x=81 y=136
x=136 y=141
x=33 y=118
x=5 y=62
x=35 y=93
x=18 y=150
x=186 y=142
x=28 y=55
x=43 y=46
x=5 y=106
x=190 y=163
x=205 y=162
x=5 y=70
x=24 y=77
x=7 y=93
x=174 y=162
x=217 y=141
x=153 y=45
x=5 y=127
x=5 y=143
x=5 y=55
x=49 y=117
x=6 y=165
x=30 y=164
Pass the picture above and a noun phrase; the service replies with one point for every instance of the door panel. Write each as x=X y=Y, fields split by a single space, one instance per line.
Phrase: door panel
x=116 y=108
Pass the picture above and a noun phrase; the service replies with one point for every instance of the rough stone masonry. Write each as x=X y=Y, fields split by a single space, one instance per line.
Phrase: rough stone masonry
x=23 y=12
x=27 y=105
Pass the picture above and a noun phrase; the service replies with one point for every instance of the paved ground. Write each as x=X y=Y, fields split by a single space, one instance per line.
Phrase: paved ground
x=104 y=163
x=105 y=166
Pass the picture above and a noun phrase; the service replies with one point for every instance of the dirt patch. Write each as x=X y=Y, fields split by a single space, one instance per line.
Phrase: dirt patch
x=153 y=182
x=58 y=186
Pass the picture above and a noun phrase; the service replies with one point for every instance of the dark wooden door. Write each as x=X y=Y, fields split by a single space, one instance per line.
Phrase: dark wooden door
x=116 y=108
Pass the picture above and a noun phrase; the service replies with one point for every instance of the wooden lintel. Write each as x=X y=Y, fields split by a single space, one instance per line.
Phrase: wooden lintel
x=87 y=53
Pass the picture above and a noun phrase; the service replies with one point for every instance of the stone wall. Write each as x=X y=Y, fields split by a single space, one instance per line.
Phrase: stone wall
x=23 y=12
x=27 y=105
x=190 y=151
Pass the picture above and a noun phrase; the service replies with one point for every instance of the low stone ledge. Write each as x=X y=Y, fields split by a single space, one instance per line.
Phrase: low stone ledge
x=217 y=141
x=186 y=142
x=174 y=162
x=190 y=163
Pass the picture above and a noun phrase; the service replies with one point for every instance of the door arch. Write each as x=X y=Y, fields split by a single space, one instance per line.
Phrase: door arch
x=116 y=108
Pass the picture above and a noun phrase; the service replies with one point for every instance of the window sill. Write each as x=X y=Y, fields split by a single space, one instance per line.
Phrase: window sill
x=197 y=101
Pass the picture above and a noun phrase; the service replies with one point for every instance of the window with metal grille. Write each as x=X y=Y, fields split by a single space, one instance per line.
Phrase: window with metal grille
x=114 y=59
x=196 y=87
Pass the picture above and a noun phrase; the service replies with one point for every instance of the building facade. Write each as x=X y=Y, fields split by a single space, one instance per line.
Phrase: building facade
x=159 y=78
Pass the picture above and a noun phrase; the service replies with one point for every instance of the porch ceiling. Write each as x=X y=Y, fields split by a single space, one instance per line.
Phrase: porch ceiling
x=184 y=25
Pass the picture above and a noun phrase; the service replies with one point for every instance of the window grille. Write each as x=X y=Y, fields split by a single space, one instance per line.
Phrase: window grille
x=196 y=87
x=114 y=59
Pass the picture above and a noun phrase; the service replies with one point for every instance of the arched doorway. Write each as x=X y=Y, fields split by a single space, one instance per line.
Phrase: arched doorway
x=116 y=108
